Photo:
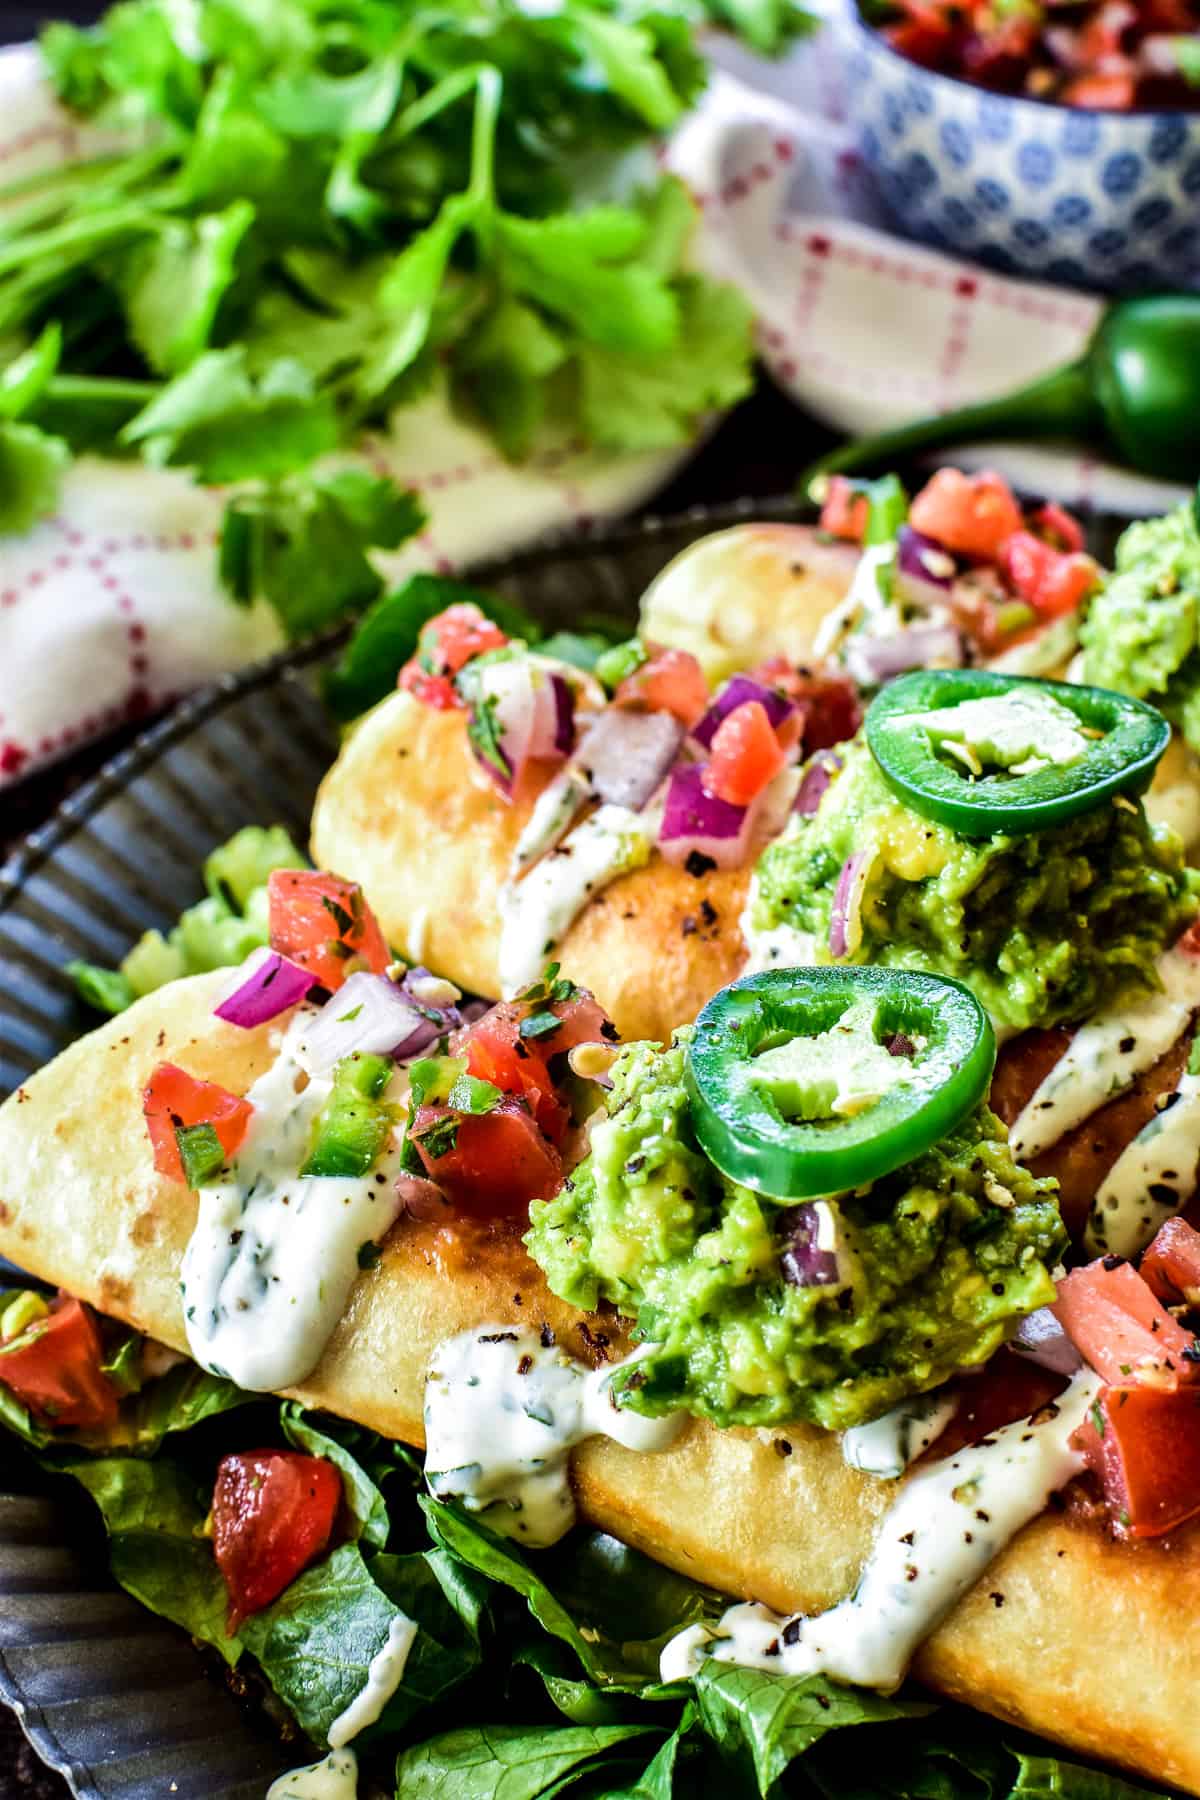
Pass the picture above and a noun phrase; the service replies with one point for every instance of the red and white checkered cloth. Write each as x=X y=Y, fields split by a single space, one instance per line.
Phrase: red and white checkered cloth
x=113 y=606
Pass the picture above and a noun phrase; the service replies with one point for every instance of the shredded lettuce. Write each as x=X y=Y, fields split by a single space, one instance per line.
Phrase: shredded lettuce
x=530 y=1673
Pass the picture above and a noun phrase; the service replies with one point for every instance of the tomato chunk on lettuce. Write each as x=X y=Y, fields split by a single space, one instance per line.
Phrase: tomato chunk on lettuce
x=324 y=924
x=273 y=1513
x=175 y=1102
x=54 y=1367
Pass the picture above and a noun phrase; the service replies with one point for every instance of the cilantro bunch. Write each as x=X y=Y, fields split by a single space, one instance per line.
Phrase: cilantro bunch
x=321 y=207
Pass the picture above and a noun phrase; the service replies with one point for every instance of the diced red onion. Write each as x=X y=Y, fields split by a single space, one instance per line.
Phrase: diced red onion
x=564 y=715
x=386 y=1022
x=802 y=1261
x=874 y=660
x=1042 y=1339
x=625 y=756
x=420 y=1198
x=925 y=568
x=697 y=823
x=534 y=715
x=847 y=902
x=269 y=985
x=816 y=778
x=737 y=691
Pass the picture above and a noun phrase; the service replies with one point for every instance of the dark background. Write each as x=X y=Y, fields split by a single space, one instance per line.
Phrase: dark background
x=758 y=450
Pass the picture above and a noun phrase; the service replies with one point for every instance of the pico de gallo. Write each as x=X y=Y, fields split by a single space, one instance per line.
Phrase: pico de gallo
x=962 y=575
x=1110 y=55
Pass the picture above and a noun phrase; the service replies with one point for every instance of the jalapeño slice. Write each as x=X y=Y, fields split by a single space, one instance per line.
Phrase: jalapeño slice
x=1120 y=743
x=793 y=1133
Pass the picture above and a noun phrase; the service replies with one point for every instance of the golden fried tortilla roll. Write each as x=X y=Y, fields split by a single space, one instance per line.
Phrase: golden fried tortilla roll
x=406 y=812
x=1068 y=1633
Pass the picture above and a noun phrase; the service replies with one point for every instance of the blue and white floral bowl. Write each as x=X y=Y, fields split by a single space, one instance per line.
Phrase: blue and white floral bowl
x=1104 y=200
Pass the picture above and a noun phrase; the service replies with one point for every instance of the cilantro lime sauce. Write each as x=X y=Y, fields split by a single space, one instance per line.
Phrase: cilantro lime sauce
x=1107 y=1054
x=885 y=1446
x=384 y=1676
x=537 y=911
x=503 y=1410
x=949 y=1523
x=335 y=1777
x=868 y=609
x=273 y=1256
x=1153 y=1178
x=565 y=795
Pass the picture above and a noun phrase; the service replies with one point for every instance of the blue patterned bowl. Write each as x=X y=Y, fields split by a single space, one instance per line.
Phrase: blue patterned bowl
x=1103 y=200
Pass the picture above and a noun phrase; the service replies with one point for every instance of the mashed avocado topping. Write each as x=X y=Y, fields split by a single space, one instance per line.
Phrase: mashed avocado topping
x=1043 y=927
x=1142 y=633
x=935 y=1264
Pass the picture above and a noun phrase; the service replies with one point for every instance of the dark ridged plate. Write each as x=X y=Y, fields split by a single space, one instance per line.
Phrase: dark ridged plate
x=111 y=1696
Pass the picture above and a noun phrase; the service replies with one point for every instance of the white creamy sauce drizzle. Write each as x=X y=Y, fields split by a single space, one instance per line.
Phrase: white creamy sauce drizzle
x=537 y=911
x=503 y=1410
x=949 y=1523
x=566 y=794
x=865 y=607
x=885 y=1446
x=335 y=1777
x=272 y=1259
x=1153 y=1178
x=383 y=1678
x=1107 y=1054
x=778 y=947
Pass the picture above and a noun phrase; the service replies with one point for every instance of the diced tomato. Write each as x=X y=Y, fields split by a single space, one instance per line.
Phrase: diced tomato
x=173 y=1099
x=54 y=1368
x=1116 y=92
x=446 y=644
x=496 y=1052
x=1008 y=1387
x=324 y=924
x=1144 y=1444
x=668 y=681
x=1052 y=582
x=1171 y=1265
x=1117 y=1325
x=744 y=755
x=272 y=1514
x=1060 y=529
x=971 y=514
x=845 y=511
x=499 y=1160
x=828 y=699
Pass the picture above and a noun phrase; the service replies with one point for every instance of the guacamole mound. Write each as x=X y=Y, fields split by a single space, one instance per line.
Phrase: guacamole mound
x=1142 y=632
x=936 y=1263
x=1043 y=928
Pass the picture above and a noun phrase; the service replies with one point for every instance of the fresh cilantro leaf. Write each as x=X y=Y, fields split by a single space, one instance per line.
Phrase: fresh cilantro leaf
x=217 y=421
x=438 y=1138
x=584 y=269
x=654 y=402
x=32 y=465
x=540 y=1025
x=485 y=736
x=173 y=284
x=626 y=59
x=303 y=545
x=502 y=372
x=25 y=379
